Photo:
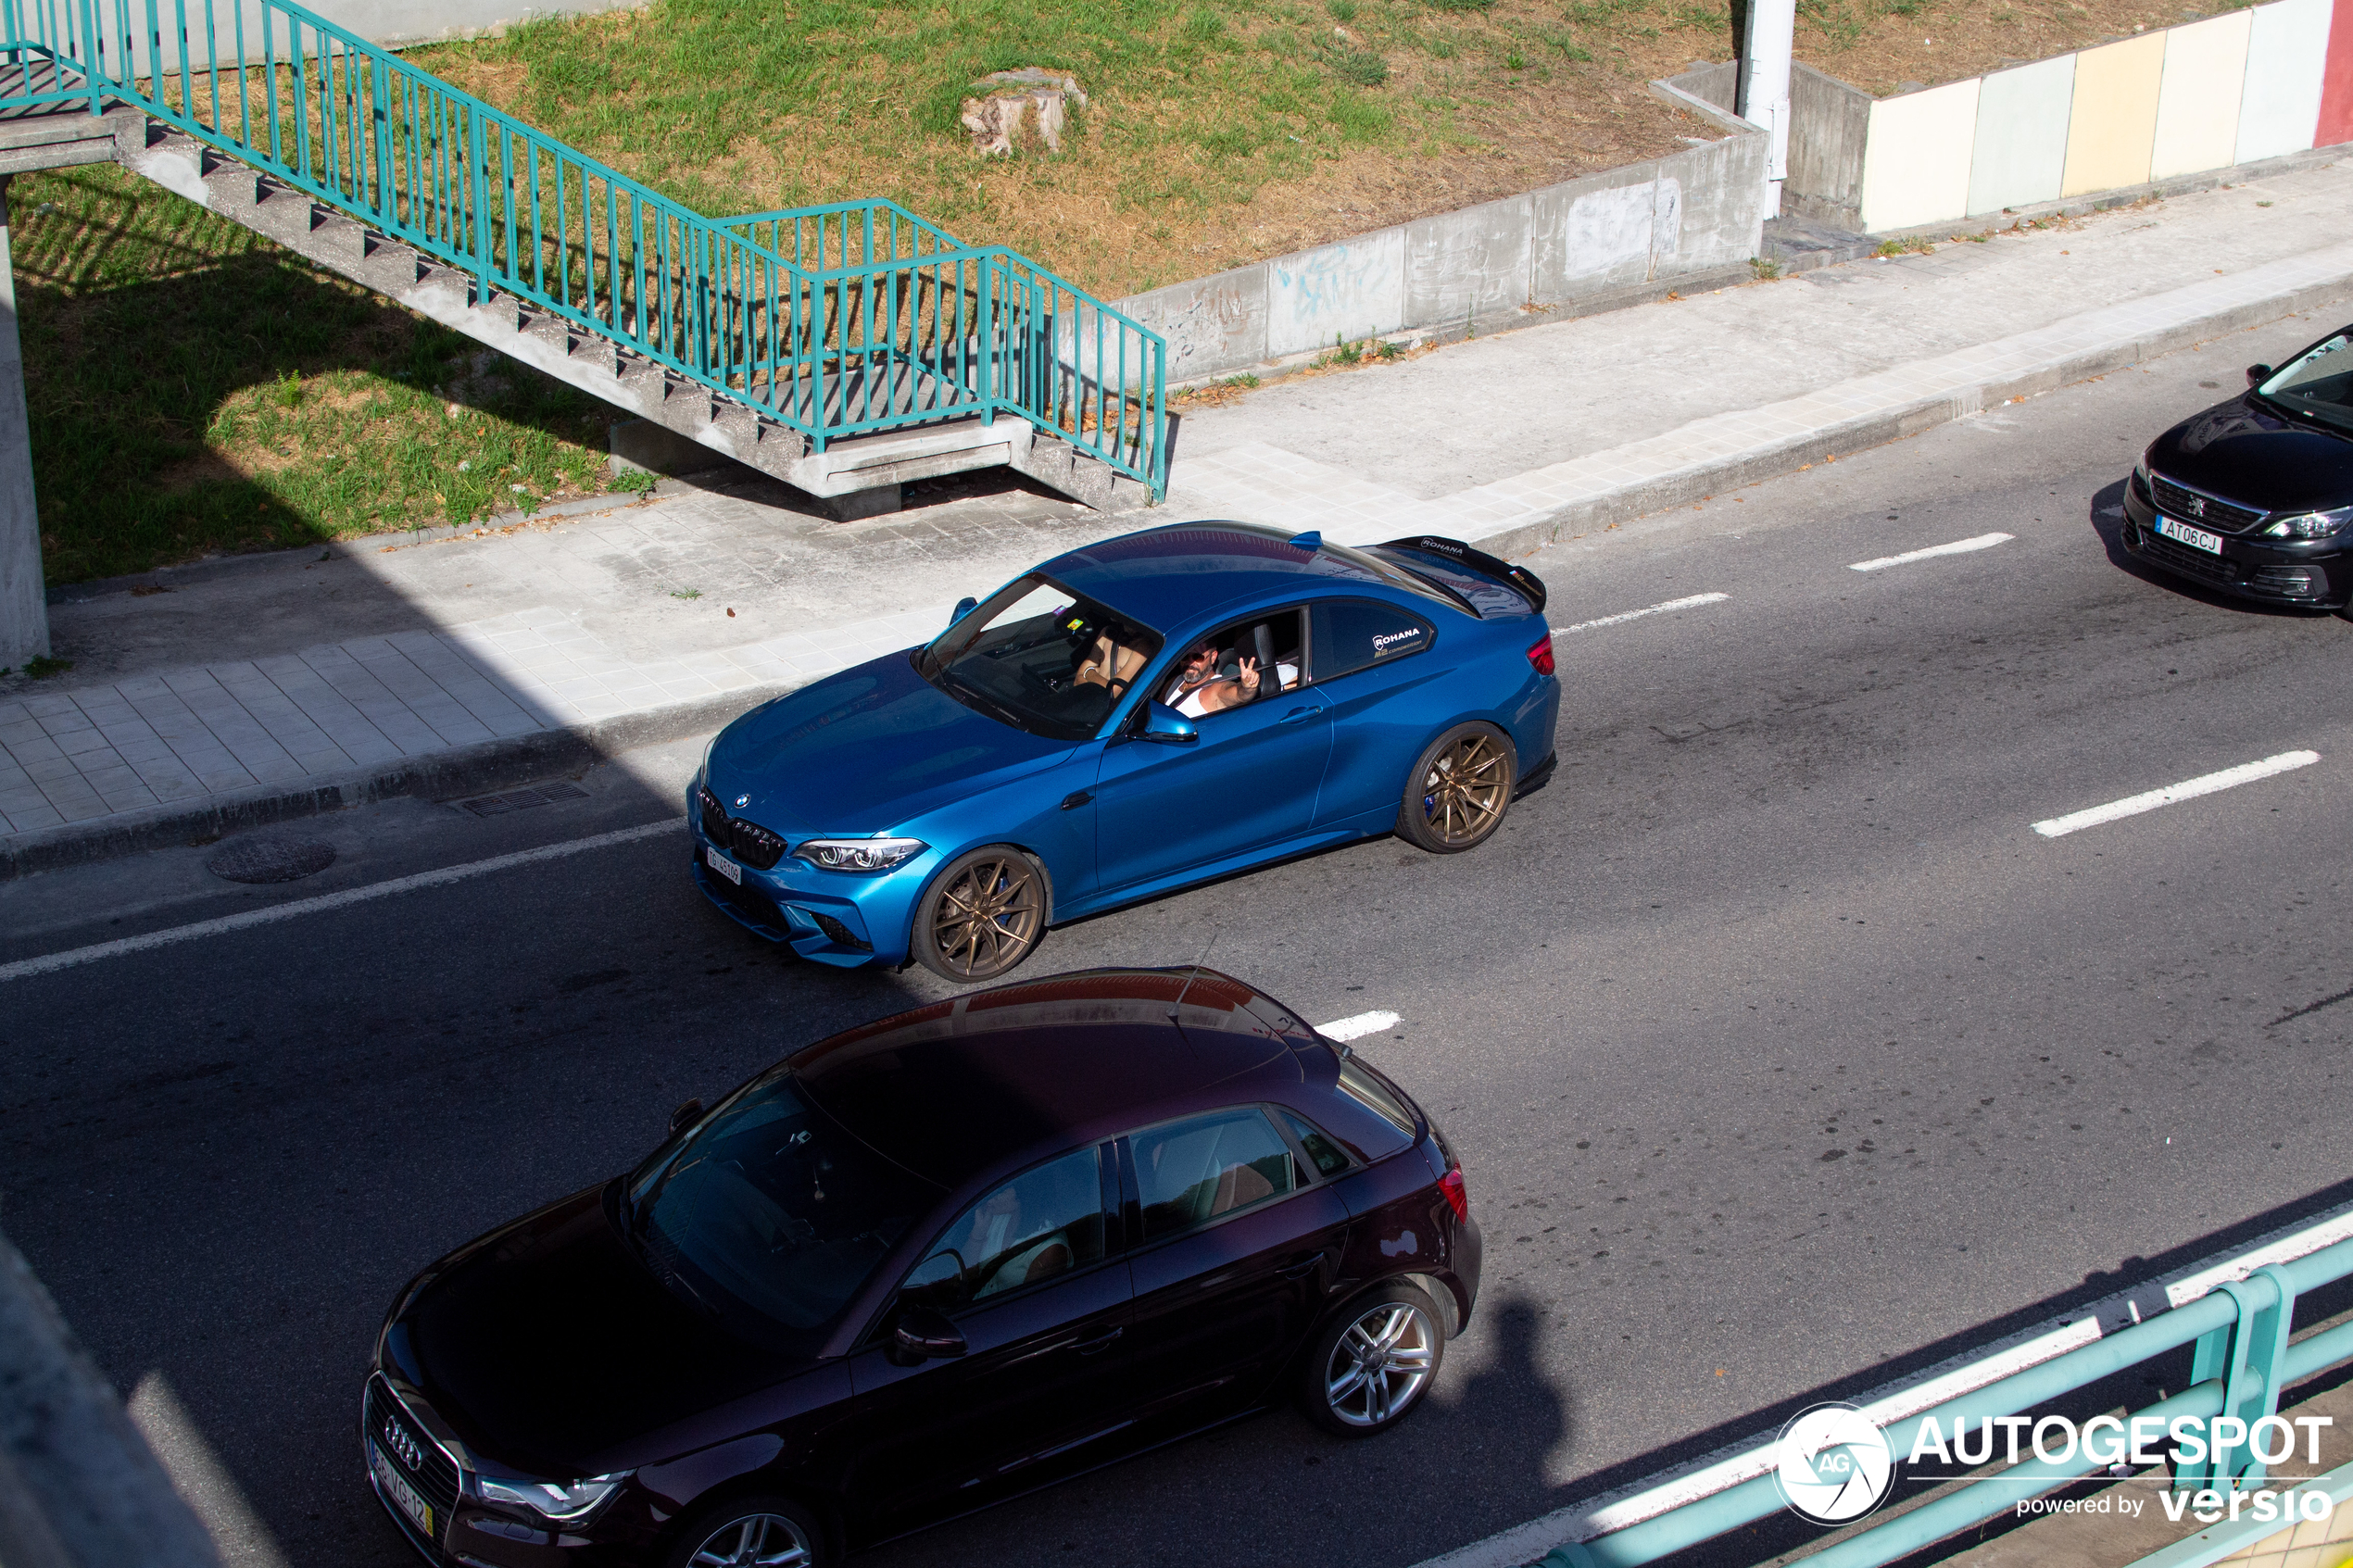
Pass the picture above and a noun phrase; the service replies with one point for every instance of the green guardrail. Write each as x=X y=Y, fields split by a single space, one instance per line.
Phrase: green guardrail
x=834 y=321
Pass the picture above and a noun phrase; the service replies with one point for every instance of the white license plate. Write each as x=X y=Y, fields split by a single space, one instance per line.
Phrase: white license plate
x=2197 y=538
x=403 y=1495
x=723 y=866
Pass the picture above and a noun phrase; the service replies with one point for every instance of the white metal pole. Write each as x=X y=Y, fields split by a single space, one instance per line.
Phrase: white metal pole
x=1772 y=27
x=24 y=606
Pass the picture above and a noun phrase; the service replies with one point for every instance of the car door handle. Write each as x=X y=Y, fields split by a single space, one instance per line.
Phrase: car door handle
x=1076 y=798
x=1300 y=1268
x=1100 y=1342
x=1296 y=714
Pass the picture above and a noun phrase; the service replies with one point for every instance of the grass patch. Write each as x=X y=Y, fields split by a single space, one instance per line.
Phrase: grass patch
x=194 y=388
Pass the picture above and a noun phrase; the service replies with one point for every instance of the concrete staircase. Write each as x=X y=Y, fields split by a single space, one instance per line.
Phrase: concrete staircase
x=859 y=475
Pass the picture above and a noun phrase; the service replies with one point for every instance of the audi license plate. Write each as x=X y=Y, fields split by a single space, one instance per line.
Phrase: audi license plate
x=2196 y=538
x=734 y=872
x=404 y=1496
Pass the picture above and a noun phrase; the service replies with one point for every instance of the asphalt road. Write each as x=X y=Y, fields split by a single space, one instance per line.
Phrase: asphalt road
x=1782 y=1054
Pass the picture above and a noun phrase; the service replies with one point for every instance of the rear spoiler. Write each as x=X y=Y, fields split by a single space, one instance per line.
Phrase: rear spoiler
x=1528 y=584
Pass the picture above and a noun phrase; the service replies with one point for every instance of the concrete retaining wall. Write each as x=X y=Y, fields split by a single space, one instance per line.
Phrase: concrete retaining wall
x=395 y=24
x=1690 y=213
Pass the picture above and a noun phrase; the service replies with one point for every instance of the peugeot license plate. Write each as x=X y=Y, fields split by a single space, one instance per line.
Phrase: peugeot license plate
x=404 y=1496
x=2196 y=538
x=734 y=872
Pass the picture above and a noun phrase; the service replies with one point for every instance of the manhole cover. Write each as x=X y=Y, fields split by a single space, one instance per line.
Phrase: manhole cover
x=271 y=859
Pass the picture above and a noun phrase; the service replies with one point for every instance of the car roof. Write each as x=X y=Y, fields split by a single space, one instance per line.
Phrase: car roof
x=1166 y=576
x=951 y=1090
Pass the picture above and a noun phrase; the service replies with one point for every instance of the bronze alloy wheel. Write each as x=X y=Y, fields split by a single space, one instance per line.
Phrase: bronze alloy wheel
x=982 y=916
x=1459 y=790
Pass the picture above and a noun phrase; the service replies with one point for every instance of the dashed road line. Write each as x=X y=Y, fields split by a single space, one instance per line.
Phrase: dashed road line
x=2188 y=789
x=49 y=963
x=1357 y=1027
x=1694 y=602
x=1957 y=547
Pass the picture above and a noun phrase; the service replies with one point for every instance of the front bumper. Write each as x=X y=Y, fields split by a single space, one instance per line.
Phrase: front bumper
x=2315 y=574
x=833 y=917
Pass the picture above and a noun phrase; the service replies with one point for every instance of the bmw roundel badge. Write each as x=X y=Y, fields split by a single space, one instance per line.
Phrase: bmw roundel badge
x=742 y=801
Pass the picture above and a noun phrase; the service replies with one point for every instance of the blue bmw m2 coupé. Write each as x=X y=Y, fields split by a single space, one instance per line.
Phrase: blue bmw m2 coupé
x=1154 y=710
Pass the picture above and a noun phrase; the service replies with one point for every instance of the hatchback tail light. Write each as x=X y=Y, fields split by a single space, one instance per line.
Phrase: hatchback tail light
x=1457 y=1195
x=1540 y=654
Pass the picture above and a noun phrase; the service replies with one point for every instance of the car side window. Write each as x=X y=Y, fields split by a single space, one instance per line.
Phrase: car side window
x=1324 y=1154
x=1254 y=659
x=1201 y=1169
x=1352 y=635
x=1045 y=1222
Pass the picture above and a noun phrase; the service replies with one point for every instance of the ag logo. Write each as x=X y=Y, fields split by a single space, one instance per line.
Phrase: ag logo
x=1833 y=1465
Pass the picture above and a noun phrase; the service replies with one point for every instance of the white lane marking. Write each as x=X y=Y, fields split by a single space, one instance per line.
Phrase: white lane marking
x=49 y=963
x=2189 y=789
x=1356 y=1028
x=1693 y=601
x=1957 y=547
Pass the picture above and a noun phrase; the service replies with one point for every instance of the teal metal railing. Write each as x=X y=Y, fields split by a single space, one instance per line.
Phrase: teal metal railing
x=2243 y=1356
x=835 y=321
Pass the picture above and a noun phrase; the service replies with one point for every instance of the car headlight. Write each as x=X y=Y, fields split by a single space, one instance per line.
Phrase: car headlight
x=2312 y=525
x=2140 y=472
x=559 y=1502
x=858 y=854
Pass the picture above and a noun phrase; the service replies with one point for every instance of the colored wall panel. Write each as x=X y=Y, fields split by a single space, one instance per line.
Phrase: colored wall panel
x=2336 y=88
x=2111 y=128
x=2021 y=135
x=2197 y=105
x=1915 y=164
x=2286 y=52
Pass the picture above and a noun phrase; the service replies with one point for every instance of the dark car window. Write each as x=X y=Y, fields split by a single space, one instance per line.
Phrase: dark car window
x=1206 y=1167
x=1040 y=657
x=1371 y=1092
x=1044 y=1223
x=1353 y=634
x=2318 y=381
x=771 y=1206
x=1207 y=676
x=1324 y=1154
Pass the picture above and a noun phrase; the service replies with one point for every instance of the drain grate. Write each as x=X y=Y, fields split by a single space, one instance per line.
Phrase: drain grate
x=271 y=859
x=521 y=799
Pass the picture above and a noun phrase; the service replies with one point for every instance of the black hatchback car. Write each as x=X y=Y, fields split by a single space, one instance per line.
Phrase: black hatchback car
x=2255 y=497
x=920 y=1267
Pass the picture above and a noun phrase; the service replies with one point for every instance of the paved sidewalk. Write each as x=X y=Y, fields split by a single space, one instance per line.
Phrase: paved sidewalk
x=206 y=700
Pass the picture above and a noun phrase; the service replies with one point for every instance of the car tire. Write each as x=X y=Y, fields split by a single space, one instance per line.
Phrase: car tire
x=1373 y=1362
x=1459 y=789
x=757 y=1528
x=982 y=915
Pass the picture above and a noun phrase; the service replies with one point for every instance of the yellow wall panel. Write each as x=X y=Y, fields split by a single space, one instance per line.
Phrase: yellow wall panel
x=2111 y=131
x=2197 y=108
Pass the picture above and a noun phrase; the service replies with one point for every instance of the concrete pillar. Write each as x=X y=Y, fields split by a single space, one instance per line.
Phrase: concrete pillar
x=1764 y=86
x=24 y=601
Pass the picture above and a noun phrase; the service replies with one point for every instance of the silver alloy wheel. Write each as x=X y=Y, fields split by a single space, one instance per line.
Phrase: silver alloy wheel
x=1380 y=1364
x=754 y=1540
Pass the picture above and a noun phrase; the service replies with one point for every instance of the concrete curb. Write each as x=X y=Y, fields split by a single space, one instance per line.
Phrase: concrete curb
x=1686 y=485
x=470 y=769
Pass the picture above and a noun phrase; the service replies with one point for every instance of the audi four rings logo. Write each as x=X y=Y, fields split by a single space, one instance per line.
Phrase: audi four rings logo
x=403 y=1445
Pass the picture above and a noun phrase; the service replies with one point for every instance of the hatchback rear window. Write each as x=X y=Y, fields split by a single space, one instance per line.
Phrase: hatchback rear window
x=1374 y=1096
x=1193 y=1171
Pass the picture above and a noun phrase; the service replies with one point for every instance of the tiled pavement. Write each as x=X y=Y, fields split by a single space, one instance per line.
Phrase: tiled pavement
x=175 y=737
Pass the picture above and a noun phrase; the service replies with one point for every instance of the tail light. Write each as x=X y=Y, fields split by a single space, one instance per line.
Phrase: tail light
x=1540 y=654
x=1457 y=1195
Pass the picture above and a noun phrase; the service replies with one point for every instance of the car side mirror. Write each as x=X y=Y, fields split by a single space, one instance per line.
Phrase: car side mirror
x=685 y=1116
x=924 y=1334
x=2258 y=374
x=964 y=607
x=1165 y=725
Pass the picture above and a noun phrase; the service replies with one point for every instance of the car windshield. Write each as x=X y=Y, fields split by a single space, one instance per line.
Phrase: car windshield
x=1040 y=658
x=2318 y=381
x=769 y=1213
